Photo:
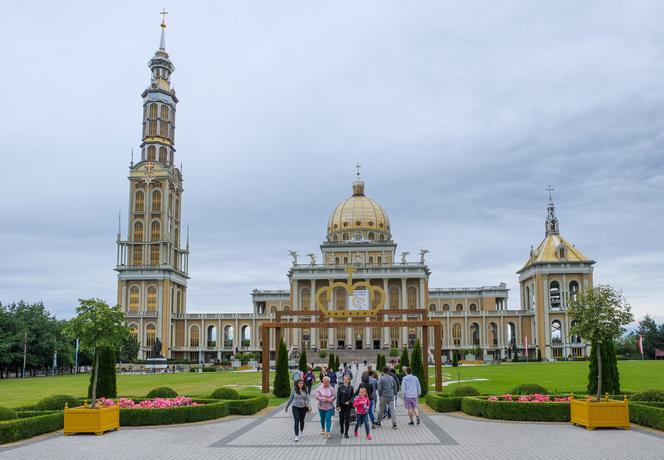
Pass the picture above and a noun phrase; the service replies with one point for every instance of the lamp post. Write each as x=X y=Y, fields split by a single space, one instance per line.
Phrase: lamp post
x=25 y=352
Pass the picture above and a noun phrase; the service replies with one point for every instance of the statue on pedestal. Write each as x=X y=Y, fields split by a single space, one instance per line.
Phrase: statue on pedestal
x=156 y=349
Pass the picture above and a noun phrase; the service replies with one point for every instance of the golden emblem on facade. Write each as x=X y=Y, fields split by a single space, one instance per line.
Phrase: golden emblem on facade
x=361 y=296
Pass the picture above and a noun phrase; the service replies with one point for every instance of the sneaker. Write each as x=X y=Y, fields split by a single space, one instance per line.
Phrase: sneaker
x=356 y=435
x=418 y=420
x=369 y=437
x=297 y=438
x=411 y=423
x=322 y=432
x=378 y=424
x=346 y=435
x=394 y=427
x=373 y=426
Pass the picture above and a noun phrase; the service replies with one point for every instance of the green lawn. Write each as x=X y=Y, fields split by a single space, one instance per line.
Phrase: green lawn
x=24 y=392
x=558 y=377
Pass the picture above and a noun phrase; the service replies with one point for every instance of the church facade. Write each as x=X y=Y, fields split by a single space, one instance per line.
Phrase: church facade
x=152 y=266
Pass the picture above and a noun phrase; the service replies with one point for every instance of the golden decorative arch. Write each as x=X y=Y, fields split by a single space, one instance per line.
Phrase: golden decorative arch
x=351 y=287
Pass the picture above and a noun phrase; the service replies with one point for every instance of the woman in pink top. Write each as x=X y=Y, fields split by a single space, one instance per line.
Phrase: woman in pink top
x=325 y=397
x=361 y=404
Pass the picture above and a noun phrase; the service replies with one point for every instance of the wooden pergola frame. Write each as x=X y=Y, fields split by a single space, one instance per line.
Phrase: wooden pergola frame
x=278 y=325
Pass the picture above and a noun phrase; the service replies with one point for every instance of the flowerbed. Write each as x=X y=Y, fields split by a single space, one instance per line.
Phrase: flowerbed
x=535 y=398
x=156 y=403
x=534 y=411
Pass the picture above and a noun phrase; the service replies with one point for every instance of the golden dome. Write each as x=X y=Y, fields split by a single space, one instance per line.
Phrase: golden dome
x=358 y=218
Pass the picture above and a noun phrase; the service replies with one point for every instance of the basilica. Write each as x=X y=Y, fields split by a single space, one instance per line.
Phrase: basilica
x=152 y=266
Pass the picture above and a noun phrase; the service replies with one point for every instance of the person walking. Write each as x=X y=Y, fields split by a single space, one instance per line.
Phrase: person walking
x=373 y=381
x=309 y=379
x=325 y=397
x=371 y=395
x=297 y=375
x=411 y=391
x=333 y=377
x=361 y=404
x=387 y=388
x=345 y=405
x=299 y=398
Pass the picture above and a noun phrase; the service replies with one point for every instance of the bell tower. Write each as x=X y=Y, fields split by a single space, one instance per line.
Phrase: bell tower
x=151 y=264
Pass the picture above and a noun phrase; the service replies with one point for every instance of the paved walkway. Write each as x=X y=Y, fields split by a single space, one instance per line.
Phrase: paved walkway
x=271 y=436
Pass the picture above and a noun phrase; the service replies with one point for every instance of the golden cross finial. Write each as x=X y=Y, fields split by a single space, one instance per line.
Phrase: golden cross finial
x=163 y=17
x=350 y=271
x=358 y=166
x=550 y=189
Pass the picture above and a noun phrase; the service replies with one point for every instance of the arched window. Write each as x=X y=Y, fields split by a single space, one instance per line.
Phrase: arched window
x=194 y=336
x=412 y=297
x=170 y=203
x=156 y=201
x=381 y=237
x=345 y=260
x=432 y=307
x=573 y=290
x=138 y=231
x=575 y=338
x=446 y=307
x=152 y=153
x=335 y=238
x=379 y=260
x=371 y=260
x=212 y=336
x=133 y=332
x=395 y=298
x=459 y=307
x=139 y=202
x=305 y=299
x=245 y=336
x=163 y=129
x=475 y=334
x=554 y=294
x=511 y=333
x=177 y=238
x=154 y=255
x=340 y=298
x=528 y=297
x=152 y=128
x=472 y=307
x=150 y=334
x=372 y=236
x=138 y=255
x=163 y=155
x=456 y=334
x=177 y=209
x=164 y=112
x=179 y=302
x=153 y=110
x=152 y=298
x=273 y=309
x=133 y=299
x=228 y=336
x=493 y=334
x=345 y=237
x=155 y=231
x=336 y=261
x=556 y=332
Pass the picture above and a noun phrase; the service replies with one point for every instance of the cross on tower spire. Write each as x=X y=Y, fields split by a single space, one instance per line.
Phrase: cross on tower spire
x=551 y=225
x=358 y=166
x=550 y=189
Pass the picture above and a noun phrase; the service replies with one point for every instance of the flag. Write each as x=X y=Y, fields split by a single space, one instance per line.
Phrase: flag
x=641 y=343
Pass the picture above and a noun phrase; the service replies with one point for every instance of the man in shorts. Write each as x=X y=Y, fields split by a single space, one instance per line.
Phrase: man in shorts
x=411 y=391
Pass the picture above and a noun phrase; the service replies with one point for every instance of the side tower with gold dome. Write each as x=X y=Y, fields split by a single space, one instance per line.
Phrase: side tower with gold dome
x=553 y=275
x=151 y=264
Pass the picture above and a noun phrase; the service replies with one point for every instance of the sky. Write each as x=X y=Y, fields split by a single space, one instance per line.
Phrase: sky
x=460 y=113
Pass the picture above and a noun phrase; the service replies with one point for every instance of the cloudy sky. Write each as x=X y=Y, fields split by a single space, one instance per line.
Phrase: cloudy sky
x=461 y=114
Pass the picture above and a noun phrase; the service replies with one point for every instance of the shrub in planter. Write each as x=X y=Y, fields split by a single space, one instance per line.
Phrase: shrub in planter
x=225 y=393
x=7 y=414
x=23 y=428
x=162 y=392
x=647 y=415
x=57 y=402
x=648 y=395
x=443 y=403
x=106 y=381
x=529 y=389
x=172 y=415
x=465 y=390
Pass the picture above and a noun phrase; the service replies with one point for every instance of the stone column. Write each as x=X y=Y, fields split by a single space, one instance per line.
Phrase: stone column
x=386 y=330
x=404 y=304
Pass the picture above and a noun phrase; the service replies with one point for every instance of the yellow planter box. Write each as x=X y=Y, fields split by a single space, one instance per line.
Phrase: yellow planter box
x=87 y=420
x=599 y=414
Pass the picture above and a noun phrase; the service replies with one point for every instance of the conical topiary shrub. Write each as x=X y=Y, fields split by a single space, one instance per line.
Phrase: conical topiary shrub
x=281 y=380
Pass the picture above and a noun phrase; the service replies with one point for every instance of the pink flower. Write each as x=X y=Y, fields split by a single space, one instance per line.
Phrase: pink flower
x=492 y=398
x=507 y=397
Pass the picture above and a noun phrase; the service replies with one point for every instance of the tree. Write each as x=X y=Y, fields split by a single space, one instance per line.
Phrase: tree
x=128 y=350
x=404 y=361
x=600 y=312
x=281 y=379
x=418 y=367
x=337 y=364
x=648 y=329
x=302 y=364
x=106 y=383
x=455 y=358
x=330 y=361
x=380 y=362
x=610 y=375
x=97 y=326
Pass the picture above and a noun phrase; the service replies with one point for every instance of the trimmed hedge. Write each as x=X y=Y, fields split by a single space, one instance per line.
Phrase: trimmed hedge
x=34 y=413
x=22 y=428
x=521 y=411
x=225 y=393
x=7 y=414
x=443 y=403
x=647 y=415
x=465 y=390
x=648 y=395
x=57 y=402
x=248 y=406
x=172 y=415
x=162 y=392
x=529 y=389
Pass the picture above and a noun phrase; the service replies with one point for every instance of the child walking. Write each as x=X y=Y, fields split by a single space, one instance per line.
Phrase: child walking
x=361 y=404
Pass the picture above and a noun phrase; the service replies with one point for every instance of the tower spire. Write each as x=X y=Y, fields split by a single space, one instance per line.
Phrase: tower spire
x=162 y=42
x=551 y=226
